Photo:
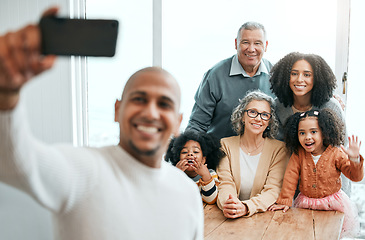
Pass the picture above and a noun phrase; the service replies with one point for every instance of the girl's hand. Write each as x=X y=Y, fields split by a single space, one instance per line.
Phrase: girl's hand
x=353 y=150
x=234 y=208
x=182 y=165
x=202 y=170
x=275 y=207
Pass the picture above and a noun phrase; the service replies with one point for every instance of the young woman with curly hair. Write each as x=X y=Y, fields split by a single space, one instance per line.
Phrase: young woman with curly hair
x=303 y=82
x=315 y=137
x=198 y=155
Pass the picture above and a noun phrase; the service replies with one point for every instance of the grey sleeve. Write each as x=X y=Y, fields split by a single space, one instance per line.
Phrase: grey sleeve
x=205 y=104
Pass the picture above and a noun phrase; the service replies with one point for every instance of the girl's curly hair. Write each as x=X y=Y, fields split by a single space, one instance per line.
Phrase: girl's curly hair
x=238 y=112
x=324 y=80
x=332 y=128
x=210 y=145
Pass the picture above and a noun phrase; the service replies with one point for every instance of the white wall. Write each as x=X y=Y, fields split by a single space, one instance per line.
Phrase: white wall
x=48 y=100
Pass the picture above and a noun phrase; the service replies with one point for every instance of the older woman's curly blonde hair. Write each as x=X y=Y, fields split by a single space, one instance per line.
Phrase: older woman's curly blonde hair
x=238 y=112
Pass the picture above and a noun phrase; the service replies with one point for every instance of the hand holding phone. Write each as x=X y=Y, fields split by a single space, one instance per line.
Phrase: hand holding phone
x=82 y=37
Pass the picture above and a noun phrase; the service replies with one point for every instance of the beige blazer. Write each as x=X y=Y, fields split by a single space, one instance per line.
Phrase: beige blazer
x=268 y=178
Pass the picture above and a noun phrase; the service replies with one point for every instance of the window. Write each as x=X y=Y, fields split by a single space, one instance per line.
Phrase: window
x=198 y=34
x=195 y=36
x=355 y=97
x=106 y=76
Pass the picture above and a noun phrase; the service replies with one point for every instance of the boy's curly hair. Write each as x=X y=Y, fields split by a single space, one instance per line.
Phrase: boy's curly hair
x=210 y=145
x=324 y=80
x=332 y=128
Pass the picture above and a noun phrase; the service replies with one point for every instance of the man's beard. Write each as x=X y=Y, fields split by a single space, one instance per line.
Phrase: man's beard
x=143 y=153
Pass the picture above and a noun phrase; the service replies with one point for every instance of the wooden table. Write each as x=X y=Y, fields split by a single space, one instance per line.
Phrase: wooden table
x=294 y=224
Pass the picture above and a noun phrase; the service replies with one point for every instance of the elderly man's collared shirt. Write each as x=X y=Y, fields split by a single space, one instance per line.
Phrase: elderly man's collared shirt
x=236 y=68
x=219 y=93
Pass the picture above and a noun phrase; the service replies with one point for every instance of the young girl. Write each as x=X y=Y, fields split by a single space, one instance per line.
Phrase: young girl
x=198 y=155
x=317 y=161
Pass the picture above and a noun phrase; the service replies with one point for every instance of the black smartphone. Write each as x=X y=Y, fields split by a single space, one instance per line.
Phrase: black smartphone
x=80 y=37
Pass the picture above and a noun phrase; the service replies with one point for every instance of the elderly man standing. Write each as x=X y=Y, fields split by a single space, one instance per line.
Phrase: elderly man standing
x=117 y=192
x=229 y=80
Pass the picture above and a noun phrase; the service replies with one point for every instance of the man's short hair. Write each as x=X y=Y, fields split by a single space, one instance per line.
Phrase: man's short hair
x=251 y=26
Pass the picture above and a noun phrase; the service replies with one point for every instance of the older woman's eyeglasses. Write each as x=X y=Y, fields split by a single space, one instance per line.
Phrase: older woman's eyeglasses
x=253 y=113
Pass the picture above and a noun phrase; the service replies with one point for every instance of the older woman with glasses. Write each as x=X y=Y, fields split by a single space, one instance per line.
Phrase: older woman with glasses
x=251 y=174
